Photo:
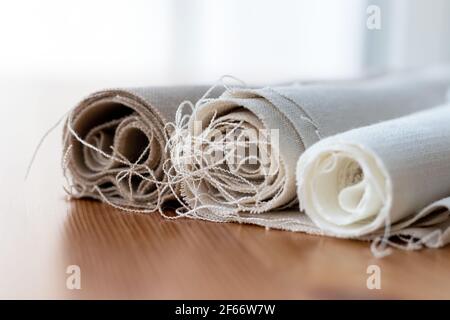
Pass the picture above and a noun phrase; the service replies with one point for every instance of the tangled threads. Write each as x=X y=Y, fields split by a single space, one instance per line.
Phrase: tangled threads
x=223 y=157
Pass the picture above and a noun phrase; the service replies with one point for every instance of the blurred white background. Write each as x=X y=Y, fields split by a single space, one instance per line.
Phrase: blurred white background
x=118 y=42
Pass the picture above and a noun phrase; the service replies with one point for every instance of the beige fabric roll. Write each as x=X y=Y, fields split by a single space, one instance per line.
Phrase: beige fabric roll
x=114 y=144
x=293 y=119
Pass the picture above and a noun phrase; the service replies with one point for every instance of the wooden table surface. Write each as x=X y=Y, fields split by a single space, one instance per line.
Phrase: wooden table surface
x=145 y=256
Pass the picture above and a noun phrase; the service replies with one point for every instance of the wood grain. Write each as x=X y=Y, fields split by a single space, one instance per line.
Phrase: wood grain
x=145 y=256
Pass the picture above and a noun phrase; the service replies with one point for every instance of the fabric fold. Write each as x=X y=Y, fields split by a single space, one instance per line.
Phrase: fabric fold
x=392 y=177
x=115 y=145
x=273 y=126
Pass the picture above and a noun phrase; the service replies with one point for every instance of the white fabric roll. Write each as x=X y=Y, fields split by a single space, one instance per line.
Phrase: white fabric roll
x=394 y=174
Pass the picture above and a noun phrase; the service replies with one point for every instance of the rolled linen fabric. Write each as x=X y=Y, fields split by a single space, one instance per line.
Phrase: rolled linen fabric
x=394 y=174
x=114 y=144
x=292 y=118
